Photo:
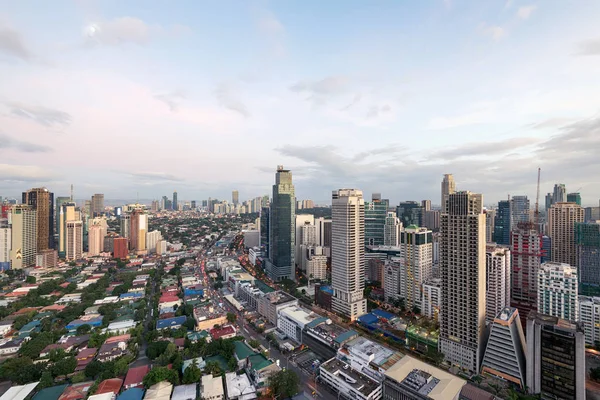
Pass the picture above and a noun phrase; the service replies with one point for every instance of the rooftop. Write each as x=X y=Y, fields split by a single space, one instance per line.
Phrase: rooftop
x=299 y=314
x=358 y=381
x=367 y=349
x=425 y=379
x=279 y=297
x=242 y=350
x=239 y=386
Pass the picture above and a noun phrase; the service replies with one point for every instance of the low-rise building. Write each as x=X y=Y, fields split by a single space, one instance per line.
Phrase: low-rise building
x=171 y=323
x=208 y=317
x=185 y=392
x=368 y=357
x=589 y=316
x=135 y=377
x=226 y=332
x=347 y=382
x=271 y=303
x=292 y=321
x=239 y=387
x=212 y=388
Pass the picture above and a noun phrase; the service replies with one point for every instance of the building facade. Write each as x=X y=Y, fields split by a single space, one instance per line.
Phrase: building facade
x=498 y=280
x=348 y=253
x=416 y=251
x=74 y=242
x=448 y=188
x=520 y=210
x=391 y=233
x=589 y=316
x=282 y=232
x=463 y=273
x=562 y=218
x=97 y=205
x=42 y=201
x=503 y=223
x=558 y=291
x=526 y=254
x=587 y=242
x=23 y=222
x=432 y=293
x=375 y=220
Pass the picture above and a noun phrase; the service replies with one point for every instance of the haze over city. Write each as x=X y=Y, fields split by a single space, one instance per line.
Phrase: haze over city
x=140 y=98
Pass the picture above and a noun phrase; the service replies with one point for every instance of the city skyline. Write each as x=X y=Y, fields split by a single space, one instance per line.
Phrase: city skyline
x=496 y=103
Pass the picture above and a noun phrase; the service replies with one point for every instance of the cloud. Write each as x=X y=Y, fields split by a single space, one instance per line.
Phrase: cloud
x=391 y=150
x=23 y=173
x=172 y=100
x=589 y=48
x=12 y=43
x=159 y=176
x=321 y=91
x=376 y=111
x=7 y=142
x=123 y=30
x=470 y=118
x=42 y=115
x=525 y=12
x=551 y=123
x=494 y=31
x=484 y=149
x=355 y=100
x=274 y=31
x=227 y=98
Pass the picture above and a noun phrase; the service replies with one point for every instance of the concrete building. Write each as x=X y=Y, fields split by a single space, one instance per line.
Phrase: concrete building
x=562 y=218
x=138 y=229
x=504 y=355
x=589 y=316
x=559 y=194
x=23 y=222
x=503 y=223
x=432 y=293
x=42 y=201
x=587 y=242
x=448 y=188
x=391 y=234
x=97 y=205
x=558 y=291
x=282 y=232
x=152 y=238
x=120 y=248
x=301 y=221
x=416 y=250
x=292 y=320
x=391 y=278
x=235 y=197
x=5 y=246
x=251 y=238
x=347 y=382
x=239 y=387
x=96 y=232
x=526 y=254
x=375 y=220
x=348 y=253
x=272 y=303
x=74 y=242
x=490 y=219
x=498 y=270
x=411 y=379
x=368 y=357
x=125 y=227
x=555 y=348
x=519 y=208
x=463 y=273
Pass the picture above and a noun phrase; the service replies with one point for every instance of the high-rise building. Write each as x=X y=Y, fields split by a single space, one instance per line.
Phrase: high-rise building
x=463 y=273
x=431 y=219
x=504 y=355
x=5 y=246
x=591 y=214
x=164 y=203
x=23 y=222
x=193 y=205
x=560 y=193
x=96 y=233
x=154 y=207
x=137 y=230
x=520 y=210
x=175 y=205
x=391 y=234
x=490 y=219
x=68 y=212
x=375 y=214
x=587 y=241
x=410 y=213
x=562 y=218
x=97 y=204
x=526 y=253
x=348 y=253
x=498 y=270
x=125 y=227
x=42 y=201
x=589 y=316
x=415 y=249
x=152 y=238
x=426 y=205
x=549 y=201
x=120 y=248
x=502 y=223
x=235 y=197
x=74 y=240
x=555 y=357
x=59 y=202
x=301 y=221
x=432 y=293
x=391 y=279
x=574 y=198
x=264 y=229
x=282 y=232
x=448 y=188
x=558 y=291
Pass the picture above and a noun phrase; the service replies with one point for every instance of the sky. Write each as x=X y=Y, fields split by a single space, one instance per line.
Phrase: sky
x=140 y=98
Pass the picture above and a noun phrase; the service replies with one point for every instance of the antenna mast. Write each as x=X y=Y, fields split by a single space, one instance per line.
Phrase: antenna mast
x=537 y=203
x=71 y=192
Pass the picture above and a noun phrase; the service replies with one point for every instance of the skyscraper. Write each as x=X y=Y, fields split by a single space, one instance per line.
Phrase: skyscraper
x=42 y=201
x=67 y=212
x=587 y=241
x=74 y=239
x=558 y=291
x=97 y=204
x=526 y=253
x=59 y=202
x=282 y=229
x=96 y=233
x=264 y=229
x=502 y=223
x=448 y=188
x=23 y=220
x=416 y=251
x=562 y=218
x=463 y=273
x=175 y=205
x=490 y=220
x=520 y=210
x=164 y=203
x=574 y=198
x=375 y=214
x=555 y=357
x=125 y=227
x=560 y=193
x=300 y=221
x=410 y=213
x=138 y=229
x=391 y=233
x=497 y=290
x=235 y=197
x=426 y=204
x=348 y=253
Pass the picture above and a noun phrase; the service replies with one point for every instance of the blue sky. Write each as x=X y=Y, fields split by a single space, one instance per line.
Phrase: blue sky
x=386 y=96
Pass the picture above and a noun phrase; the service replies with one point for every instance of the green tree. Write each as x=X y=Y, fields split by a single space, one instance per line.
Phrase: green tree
x=78 y=377
x=192 y=374
x=159 y=374
x=232 y=364
x=46 y=380
x=213 y=368
x=217 y=285
x=284 y=384
x=155 y=349
x=64 y=366
x=93 y=369
x=231 y=317
x=30 y=279
x=32 y=348
x=83 y=329
x=255 y=344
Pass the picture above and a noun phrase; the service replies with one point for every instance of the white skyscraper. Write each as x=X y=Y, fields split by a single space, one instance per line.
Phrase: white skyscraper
x=74 y=245
x=416 y=249
x=463 y=274
x=348 y=253
x=558 y=291
x=498 y=263
x=448 y=187
x=5 y=245
x=23 y=221
x=391 y=233
x=561 y=229
x=152 y=238
x=589 y=316
x=96 y=232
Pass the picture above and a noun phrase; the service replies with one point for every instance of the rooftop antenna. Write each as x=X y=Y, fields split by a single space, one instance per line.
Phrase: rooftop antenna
x=71 y=192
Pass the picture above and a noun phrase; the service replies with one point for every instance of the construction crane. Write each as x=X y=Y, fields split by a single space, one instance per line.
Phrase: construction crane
x=537 y=202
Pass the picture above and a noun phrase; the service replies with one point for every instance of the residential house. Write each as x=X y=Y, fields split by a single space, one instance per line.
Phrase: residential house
x=84 y=357
x=110 y=386
x=111 y=351
x=77 y=391
x=135 y=377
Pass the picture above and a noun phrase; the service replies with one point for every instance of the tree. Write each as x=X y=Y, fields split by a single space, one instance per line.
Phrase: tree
x=159 y=374
x=231 y=317
x=64 y=366
x=595 y=374
x=192 y=374
x=232 y=364
x=218 y=285
x=78 y=377
x=93 y=369
x=284 y=384
x=213 y=368
x=83 y=329
x=30 y=279
x=46 y=380
x=255 y=344
x=155 y=349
